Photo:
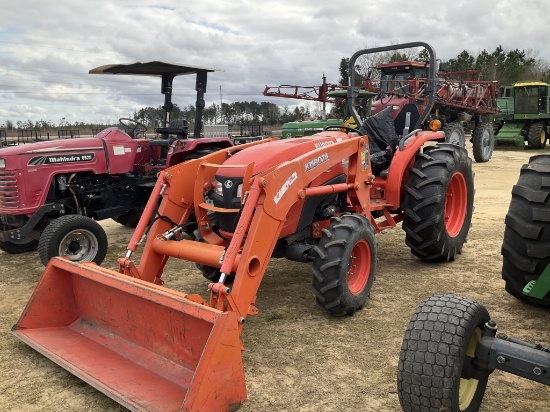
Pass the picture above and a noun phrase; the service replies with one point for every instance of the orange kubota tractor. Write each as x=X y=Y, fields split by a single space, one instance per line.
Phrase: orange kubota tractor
x=317 y=199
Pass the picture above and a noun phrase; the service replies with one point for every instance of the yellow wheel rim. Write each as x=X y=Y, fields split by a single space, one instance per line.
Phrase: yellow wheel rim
x=468 y=387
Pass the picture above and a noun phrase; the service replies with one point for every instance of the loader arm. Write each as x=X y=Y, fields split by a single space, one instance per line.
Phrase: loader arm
x=266 y=205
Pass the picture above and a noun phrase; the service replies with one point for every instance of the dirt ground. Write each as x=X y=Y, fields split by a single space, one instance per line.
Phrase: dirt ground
x=297 y=357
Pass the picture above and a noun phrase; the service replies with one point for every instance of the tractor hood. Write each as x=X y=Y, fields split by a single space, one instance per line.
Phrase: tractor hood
x=271 y=154
x=85 y=152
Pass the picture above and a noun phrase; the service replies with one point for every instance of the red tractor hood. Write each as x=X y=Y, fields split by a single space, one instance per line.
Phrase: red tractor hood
x=78 y=152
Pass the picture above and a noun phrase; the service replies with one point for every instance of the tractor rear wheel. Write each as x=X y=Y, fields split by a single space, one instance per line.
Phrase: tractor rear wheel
x=537 y=135
x=483 y=142
x=526 y=243
x=131 y=218
x=438 y=202
x=454 y=134
x=212 y=273
x=438 y=348
x=77 y=237
x=343 y=270
x=19 y=247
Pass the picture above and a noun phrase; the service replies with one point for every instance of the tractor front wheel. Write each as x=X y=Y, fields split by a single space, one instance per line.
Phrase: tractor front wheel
x=77 y=237
x=437 y=352
x=344 y=266
x=454 y=134
x=526 y=243
x=483 y=142
x=438 y=202
x=537 y=135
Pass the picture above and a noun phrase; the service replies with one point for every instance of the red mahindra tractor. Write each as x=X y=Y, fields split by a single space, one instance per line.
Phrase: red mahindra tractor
x=318 y=199
x=53 y=193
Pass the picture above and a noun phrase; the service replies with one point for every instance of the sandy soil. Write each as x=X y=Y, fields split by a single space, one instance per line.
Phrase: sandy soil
x=297 y=357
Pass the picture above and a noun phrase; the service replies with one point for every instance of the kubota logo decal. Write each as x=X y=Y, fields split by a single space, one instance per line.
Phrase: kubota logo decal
x=59 y=159
x=316 y=162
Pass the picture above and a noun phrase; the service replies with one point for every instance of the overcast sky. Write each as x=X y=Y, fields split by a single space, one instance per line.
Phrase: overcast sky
x=47 y=48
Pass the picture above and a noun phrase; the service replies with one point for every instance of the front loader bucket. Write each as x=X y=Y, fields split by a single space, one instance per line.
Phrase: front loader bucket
x=146 y=346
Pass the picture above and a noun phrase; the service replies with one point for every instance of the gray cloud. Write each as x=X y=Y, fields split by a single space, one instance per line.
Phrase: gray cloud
x=47 y=49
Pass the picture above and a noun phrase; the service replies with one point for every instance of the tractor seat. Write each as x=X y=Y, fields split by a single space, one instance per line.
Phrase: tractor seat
x=383 y=139
x=179 y=128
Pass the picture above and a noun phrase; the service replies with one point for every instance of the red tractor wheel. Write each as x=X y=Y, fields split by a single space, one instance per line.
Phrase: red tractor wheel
x=438 y=202
x=526 y=243
x=343 y=270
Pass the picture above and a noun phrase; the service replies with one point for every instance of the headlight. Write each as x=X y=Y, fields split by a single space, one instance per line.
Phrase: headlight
x=2 y=163
x=218 y=188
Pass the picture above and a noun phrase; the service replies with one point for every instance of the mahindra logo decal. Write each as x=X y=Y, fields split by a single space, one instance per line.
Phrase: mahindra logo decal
x=59 y=159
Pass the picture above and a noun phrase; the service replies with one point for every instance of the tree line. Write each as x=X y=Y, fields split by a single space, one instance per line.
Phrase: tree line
x=237 y=113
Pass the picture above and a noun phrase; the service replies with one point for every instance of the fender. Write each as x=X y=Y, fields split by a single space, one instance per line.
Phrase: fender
x=404 y=155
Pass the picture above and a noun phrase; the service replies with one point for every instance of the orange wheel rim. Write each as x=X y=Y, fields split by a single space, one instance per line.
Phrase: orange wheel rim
x=359 y=267
x=456 y=204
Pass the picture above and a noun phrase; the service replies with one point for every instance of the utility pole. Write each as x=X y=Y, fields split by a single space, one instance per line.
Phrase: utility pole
x=221 y=101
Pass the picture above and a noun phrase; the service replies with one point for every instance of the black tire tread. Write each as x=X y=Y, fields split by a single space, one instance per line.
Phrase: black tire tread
x=15 y=248
x=526 y=242
x=433 y=351
x=477 y=142
x=534 y=133
x=48 y=244
x=328 y=287
x=424 y=202
x=451 y=127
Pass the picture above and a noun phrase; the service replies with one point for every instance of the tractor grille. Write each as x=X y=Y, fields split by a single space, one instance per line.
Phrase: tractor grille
x=9 y=198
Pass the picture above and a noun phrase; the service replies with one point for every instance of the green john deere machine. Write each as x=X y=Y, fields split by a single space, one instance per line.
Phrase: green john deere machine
x=524 y=115
x=307 y=127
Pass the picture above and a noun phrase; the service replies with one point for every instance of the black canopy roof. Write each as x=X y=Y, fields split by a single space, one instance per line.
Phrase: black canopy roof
x=154 y=68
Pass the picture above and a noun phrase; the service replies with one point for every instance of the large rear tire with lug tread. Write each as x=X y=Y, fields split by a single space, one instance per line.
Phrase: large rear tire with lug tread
x=454 y=134
x=131 y=218
x=526 y=243
x=483 y=142
x=345 y=263
x=537 y=135
x=439 y=344
x=438 y=202
x=19 y=247
x=77 y=237
x=212 y=273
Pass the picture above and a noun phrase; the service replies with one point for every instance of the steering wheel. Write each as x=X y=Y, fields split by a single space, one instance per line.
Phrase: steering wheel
x=347 y=128
x=132 y=127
